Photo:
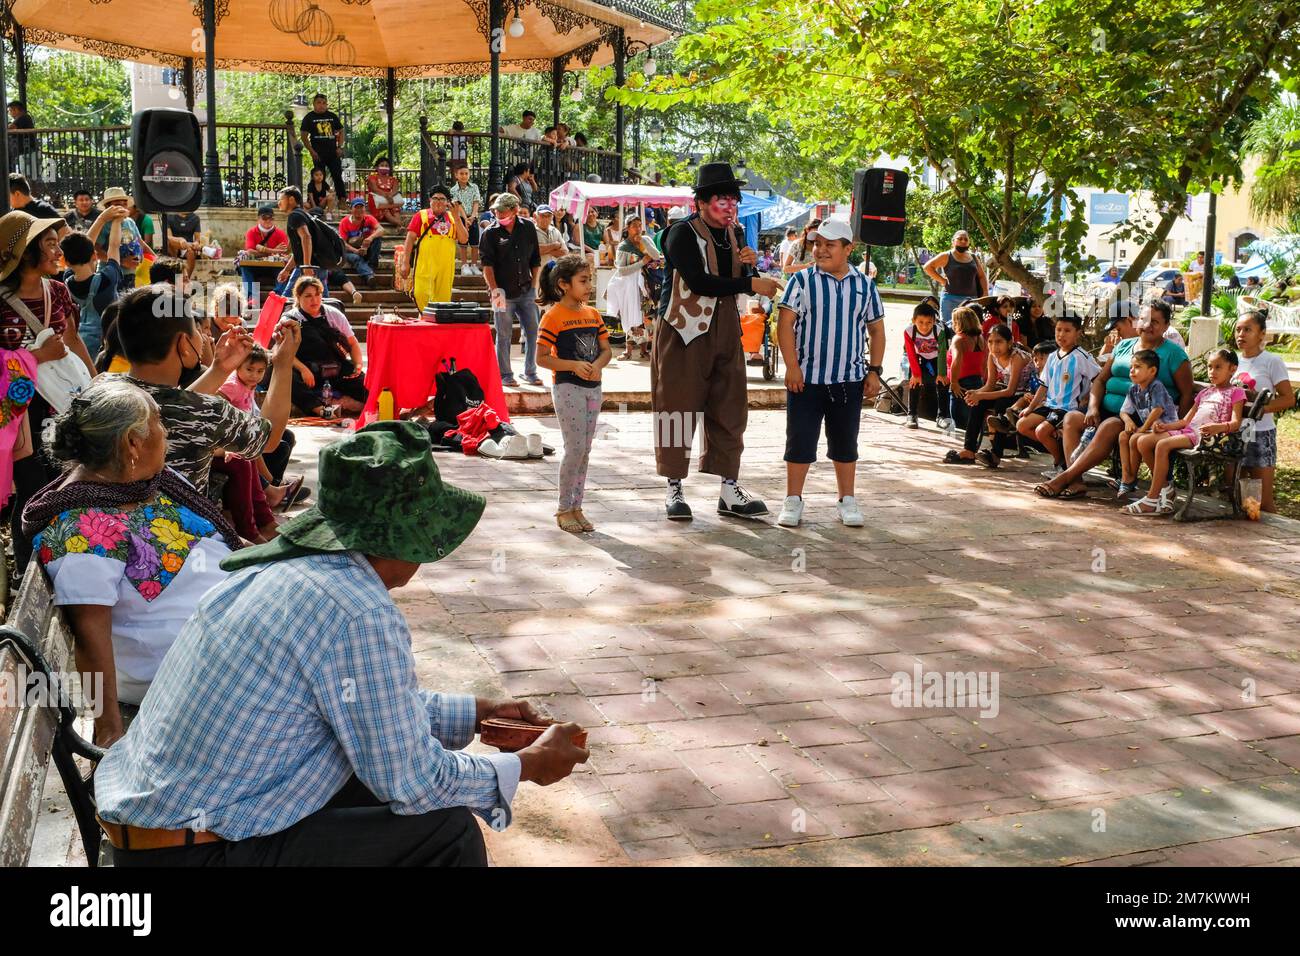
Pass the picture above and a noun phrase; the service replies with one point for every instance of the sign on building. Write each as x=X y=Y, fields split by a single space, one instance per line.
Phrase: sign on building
x=1108 y=208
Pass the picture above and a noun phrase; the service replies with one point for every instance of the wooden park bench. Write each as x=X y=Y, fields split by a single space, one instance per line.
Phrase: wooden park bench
x=38 y=721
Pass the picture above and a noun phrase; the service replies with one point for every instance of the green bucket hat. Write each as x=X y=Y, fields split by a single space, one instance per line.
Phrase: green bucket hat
x=380 y=493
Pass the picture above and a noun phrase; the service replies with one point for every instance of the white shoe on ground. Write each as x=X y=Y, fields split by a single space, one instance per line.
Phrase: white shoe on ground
x=850 y=513
x=791 y=512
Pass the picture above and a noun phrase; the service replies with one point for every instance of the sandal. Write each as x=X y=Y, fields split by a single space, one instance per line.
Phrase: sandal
x=582 y=520
x=988 y=459
x=626 y=356
x=955 y=458
x=1045 y=490
x=1148 y=507
x=290 y=493
x=569 y=522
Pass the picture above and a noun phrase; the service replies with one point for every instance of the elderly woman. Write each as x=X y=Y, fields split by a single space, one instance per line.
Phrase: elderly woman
x=328 y=379
x=129 y=545
x=1109 y=390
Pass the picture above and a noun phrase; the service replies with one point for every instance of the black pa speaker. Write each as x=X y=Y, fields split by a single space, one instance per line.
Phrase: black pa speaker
x=879 y=211
x=167 y=167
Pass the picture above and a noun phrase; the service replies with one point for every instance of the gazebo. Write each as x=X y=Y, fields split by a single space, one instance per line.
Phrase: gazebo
x=386 y=40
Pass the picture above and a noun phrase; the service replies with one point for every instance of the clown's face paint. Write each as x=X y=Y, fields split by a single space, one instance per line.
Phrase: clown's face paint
x=720 y=210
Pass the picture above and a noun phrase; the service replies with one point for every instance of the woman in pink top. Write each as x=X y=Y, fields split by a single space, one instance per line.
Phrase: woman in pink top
x=1216 y=410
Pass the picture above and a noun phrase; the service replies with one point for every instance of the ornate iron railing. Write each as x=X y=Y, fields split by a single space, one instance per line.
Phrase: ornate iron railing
x=58 y=162
x=440 y=151
x=256 y=160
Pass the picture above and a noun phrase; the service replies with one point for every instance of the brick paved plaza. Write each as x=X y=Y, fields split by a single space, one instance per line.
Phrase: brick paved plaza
x=736 y=677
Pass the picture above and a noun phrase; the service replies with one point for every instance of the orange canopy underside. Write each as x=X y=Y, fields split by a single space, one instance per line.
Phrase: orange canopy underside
x=347 y=37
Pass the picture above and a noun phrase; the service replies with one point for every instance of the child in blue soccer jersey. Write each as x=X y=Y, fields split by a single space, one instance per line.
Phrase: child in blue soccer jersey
x=826 y=315
x=1066 y=379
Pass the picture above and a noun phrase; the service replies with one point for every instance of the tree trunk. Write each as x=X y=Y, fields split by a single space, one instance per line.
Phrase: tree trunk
x=1029 y=283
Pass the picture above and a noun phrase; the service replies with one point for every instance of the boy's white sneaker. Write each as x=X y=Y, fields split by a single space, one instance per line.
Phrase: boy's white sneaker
x=850 y=513
x=467 y=270
x=791 y=512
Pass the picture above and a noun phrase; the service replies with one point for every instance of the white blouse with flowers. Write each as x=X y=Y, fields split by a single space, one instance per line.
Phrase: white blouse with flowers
x=150 y=563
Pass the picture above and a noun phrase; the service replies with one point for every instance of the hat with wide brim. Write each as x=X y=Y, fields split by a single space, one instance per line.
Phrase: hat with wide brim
x=715 y=176
x=112 y=194
x=380 y=494
x=17 y=230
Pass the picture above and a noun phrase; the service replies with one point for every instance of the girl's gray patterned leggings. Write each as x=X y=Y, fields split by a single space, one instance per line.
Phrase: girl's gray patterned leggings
x=577 y=408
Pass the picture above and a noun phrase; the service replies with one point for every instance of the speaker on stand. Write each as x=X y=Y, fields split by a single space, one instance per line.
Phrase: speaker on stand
x=879 y=211
x=167 y=163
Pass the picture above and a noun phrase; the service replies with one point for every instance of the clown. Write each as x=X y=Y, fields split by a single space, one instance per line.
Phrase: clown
x=698 y=368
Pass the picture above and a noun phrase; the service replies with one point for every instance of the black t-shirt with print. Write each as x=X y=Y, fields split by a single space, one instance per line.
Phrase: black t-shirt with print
x=321 y=129
x=184 y=226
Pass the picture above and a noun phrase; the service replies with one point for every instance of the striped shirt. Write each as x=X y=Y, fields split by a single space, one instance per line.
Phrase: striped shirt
x=289 y=678
x=830 y=326
x=1068 y=378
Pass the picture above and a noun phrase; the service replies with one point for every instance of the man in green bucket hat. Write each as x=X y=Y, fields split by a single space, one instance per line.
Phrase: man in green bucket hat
x=286 y=725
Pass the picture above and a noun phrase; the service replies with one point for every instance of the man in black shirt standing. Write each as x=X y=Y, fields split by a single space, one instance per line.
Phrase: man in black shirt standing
x=511 y=260
x=22 y=147
x=83 y=214
x=698 y=368
x=322 y=134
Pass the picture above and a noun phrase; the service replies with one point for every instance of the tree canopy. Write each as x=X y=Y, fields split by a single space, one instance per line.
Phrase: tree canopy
x=1031 y=100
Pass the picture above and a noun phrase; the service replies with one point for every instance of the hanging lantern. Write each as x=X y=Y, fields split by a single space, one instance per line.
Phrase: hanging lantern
x=576 y=95
x=315 y=28
x=340 y=52
x=650 y=67
x=286 y=14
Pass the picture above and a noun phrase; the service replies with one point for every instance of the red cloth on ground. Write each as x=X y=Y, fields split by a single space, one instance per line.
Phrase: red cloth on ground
x=473 y=425
x=406 y=358
x=242 y=496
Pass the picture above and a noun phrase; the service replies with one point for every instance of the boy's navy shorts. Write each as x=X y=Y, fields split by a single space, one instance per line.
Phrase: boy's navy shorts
x=839 y=405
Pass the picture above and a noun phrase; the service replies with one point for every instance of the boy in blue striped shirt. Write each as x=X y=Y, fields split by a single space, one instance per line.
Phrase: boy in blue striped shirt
x=826 y=316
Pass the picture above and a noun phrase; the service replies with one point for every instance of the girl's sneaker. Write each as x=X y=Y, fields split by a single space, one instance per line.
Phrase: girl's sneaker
x=912 y=422
x=943 y=424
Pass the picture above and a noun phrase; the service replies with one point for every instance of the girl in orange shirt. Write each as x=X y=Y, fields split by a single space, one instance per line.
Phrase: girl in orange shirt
x=573 y=343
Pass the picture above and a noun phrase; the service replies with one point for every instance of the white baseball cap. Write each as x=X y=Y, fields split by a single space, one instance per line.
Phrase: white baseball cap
x=834 y=229
x=675 y=213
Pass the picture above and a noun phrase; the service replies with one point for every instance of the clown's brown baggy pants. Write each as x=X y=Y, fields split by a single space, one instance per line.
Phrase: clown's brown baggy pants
x=704 y=380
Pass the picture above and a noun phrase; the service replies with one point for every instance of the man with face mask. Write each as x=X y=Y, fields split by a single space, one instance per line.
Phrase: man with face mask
x=961 y=274
x=698 y=368
x=157 y=332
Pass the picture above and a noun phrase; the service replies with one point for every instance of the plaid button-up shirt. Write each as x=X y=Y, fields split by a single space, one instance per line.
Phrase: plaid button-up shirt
x=289 y=678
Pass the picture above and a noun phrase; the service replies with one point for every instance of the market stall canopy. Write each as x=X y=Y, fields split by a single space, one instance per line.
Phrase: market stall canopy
x=347 y=37
x=783 y=212
x=752 y=209
x=575 y=196
x=1282 y=250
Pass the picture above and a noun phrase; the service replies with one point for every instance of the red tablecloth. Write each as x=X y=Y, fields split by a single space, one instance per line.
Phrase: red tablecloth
x=406 y=358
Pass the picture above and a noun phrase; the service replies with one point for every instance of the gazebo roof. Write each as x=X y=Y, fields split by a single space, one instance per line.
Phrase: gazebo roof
x=347 y=37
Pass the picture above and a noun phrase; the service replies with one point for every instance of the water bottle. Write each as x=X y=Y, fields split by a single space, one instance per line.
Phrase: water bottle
x=327 y=397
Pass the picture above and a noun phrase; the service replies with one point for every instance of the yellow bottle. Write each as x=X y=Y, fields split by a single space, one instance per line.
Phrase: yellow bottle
x=386 y=410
